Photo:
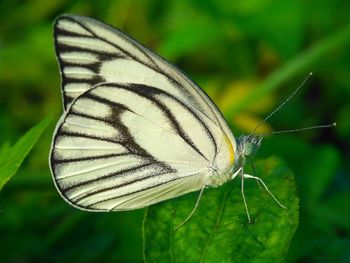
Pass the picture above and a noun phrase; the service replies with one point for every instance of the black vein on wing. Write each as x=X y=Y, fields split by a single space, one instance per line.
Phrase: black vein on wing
x=151 y=92
x=126 y=183
x=141 y=189
x=120 y=173
x=89 y=158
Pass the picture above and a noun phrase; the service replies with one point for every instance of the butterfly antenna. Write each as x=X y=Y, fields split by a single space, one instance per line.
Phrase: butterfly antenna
x=306 y=128
x=283 y=103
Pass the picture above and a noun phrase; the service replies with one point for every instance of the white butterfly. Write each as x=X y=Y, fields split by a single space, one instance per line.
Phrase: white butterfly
x=135 y=130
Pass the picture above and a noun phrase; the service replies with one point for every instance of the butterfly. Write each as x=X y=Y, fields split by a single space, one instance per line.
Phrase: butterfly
x=135 y=130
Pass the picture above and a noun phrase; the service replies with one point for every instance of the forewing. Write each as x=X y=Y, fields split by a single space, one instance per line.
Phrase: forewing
x=90 y=53
x=125 y=146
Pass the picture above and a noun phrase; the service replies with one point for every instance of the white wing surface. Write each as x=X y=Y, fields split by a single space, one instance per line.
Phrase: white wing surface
x=135 y=130
x=90 y=52
x=128 y=146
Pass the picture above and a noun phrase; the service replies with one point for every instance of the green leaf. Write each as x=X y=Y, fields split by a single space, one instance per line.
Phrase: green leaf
x=12 y=157
x=5 y=148
x=219 y=230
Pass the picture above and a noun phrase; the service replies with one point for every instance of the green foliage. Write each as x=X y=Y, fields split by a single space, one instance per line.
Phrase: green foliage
x=321 y=211
x=296 y=65
x=12 y=157
x=178 y=44
x=219 y=230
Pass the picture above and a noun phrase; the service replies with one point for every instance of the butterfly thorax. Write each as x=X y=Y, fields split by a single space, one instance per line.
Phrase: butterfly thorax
x=215 y=177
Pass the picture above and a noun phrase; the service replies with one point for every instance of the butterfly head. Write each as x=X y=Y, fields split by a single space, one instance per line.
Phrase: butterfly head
x=247 y=147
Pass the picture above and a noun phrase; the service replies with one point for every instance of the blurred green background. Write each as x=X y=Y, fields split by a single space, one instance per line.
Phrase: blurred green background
x=249 y=55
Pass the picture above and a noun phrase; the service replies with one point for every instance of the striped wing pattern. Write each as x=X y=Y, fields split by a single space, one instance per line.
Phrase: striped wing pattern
x=90 y=52
x=135 y=131
x=119 y=142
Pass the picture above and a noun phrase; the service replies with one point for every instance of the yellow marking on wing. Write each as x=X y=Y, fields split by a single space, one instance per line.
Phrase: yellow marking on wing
x=230 y=149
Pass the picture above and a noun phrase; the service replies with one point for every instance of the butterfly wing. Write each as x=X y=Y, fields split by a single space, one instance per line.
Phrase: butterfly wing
x=135 y=130
x=124 y=146
x=90 y=52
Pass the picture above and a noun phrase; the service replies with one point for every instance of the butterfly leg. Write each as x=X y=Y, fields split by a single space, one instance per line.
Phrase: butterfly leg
x=193 y=210
x=243 y=196
x=266 y=188
x=257 y=181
